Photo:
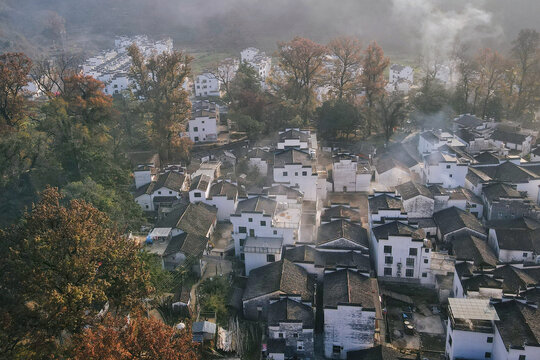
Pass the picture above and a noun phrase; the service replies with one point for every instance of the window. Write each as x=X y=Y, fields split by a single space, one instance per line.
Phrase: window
x=410 y=262
x=336 y=349
x=409 y=272
x=252 y=232
x=300 y=345
x=524 y=254
x=388 y=260
x=263 y=223
x=285 y=173
x=490 y=339
x=296 y=173
x=280 y=335
x=147 y=206
x=449 y=340
x=387 y=271
x=195 y=128
x=242 y=242
x=450 y=175
x=448 y=166
x=304 y=173
x=250 y=219
x=159 y=192
x=275 y=232
x=197 y=194
x=295 y=335
x=387 y=249
x=424 y=275
x=487 y=355
x=426 y=261
x=270 y=258
x=242 y=230
x=413 y=251
x=522 y=357
x=170 y=192
x=426 y=250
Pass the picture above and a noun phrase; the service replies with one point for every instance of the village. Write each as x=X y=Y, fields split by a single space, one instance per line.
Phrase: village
x=426 y=247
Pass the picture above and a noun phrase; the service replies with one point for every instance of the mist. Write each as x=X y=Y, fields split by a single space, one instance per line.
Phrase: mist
x=405 y=27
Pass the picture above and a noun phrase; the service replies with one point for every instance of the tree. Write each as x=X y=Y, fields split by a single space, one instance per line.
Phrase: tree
x=165 y=104
x=246 y=94
x=526 y=53
x=346 y=53
x=134 y=338
x=225 y=72
x=60 y=266
x=50 y=74
x=118 y=204
x=337 y=118
x=373 y=82
x=392 y=111
x=14 y=73
x=491 y=70
x=467 y=72
x=301 y=61
x=247 y=124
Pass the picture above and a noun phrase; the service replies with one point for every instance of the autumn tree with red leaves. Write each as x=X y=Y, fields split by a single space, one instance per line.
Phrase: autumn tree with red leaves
x=373 y=81
x=134 y=338
x=60 y=267
x=14 y=76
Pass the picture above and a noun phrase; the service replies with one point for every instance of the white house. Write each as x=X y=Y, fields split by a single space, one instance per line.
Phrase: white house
x=399 y=73
x=297 y=168
x=349 y=304
x=207 y=84
x=224 y=195
x=453 y=222
x=342 y=235
x=400 y=251
x=260 y=159
x=260 y=251
x=513 y=140
x=258 y=60
x=349 y=175
x=296 y=139
x=384 y=207
x=200 y=188
x=445 y=168
x=203 y=126
x=165 y=190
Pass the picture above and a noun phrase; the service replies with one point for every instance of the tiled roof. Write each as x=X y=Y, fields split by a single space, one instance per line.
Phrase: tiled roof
x=514 y=280
x=397 y=228
x=519 y=324
x=288 y=310
x=497 y=191
x=412 y=189
x=452 y=219
x=470 y=248
x=340 y=212
x=200 y=182
x=257 y=204
x=347 y=287
x=188 y=244
x=281 y=189
x=224 y=188
x=469 y=121
x=384 y=202
x=282 y=276
x=345 y=229
x=508 y=137
x=294 y=134
x=292 y=156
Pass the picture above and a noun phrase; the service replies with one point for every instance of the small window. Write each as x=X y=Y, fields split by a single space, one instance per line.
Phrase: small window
x=387 y=249
x=426 y=261
x=270 y=258
x=250 y=219
x=490 y=339
x=410 y=262
x=448 y=166
x=409 y=272
x=450 y=175
x=147 y=206
x=413 y=251
x=170 y=192
x=299 y=345
x=424 y=275
x=242 y=242
x=263 y=222
x=285 y=173
x=252 y=232
x=450 y=340
x=295 y=335
x=242 y=230
x=522 y=357
x=159 y=192
x=487 y=355
x=388 y=260
x=197 y=194
x=387 y=271
x=336 y=349
x=524 y=254
x=275 y=232
x=304 y=173
x=195 y=128
x=296 y=173
x=426 y=250
x=280 y=335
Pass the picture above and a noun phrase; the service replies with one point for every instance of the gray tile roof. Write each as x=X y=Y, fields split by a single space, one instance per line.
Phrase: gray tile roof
x=514 y=280
x=497 y=191
x=292 y=156
x=224 y=188
x=282 y=276
x=200 y=182
x=508 y=137
x=519 y=324
x=397 y=228
x=341 y=212
x=469 y=121
x=518 y=239
x=257 y=204
x=384 y=202
x=281 y=189
x=345 y=229
x=412 y=189
x=195 y=219
x=294 y=134
x=187 y=244
x=347 y=287
x=288 y=310
x=506 y=172
x=452 y=219
x=470 y=248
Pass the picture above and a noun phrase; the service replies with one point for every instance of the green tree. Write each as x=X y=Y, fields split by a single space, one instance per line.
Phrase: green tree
x=337 y=118
x=373 y=67
x=247 y=124
x=392 y=111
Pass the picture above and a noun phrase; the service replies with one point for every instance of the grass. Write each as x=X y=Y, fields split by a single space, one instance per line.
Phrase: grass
x=204 y=60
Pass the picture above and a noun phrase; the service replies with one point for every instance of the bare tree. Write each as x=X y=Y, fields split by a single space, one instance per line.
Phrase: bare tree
x=526 y=52
x=491 y=70
x=50 y=74
x=392 y=111
x=225 y=72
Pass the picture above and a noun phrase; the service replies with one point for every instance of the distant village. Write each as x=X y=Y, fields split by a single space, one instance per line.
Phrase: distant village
x=427 y=248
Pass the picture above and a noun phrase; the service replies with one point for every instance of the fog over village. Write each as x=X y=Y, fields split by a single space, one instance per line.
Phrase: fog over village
x=246 y=179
